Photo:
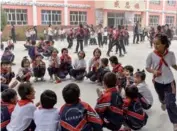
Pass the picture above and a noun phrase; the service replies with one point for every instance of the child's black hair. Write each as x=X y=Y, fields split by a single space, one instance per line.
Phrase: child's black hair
x=131 y=92
x=5 y=62
x=48 y=99
x=159 y=28
x=71 y=93
x=64 y=49
x=105 y=61
x=24 y=89
x=110 y=79
x=97 y=49
x=82 y=52
x=42 y=38
x=114 y=60
x=33 y=42
x=8 y=94
x=25 y=59
x=141 y=74
x=164 y=39
x=129 y=68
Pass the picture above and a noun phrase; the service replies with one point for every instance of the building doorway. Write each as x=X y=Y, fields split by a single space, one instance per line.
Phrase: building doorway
x=116 y=19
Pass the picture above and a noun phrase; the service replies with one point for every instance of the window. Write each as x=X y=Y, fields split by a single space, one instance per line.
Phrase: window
x=170 y=20
x=153 y=20
x=137 y=18
x=52 y=17
x=155 y=2
x=171 y=2
x=116 y=19
x=16 y=16
x=78 y=17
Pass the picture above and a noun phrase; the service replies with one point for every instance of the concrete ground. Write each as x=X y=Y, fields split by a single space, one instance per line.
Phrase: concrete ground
x=136 y=56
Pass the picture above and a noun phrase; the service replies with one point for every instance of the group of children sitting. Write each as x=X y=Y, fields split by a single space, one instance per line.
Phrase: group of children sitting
x=122 y=100
x=112 y=111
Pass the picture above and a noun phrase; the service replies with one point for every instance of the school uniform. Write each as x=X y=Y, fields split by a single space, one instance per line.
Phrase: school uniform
x=105 y=37
x=165 y=81
x=121 y=40
x=65 y=66
x=8 y=56
x=92 y=38
x=8 y=76
x=27 y=35
x=22 y=116
x=47 y=119
x=10 y=44
x=94 y=65
x=134 y=116
x=152 y=33
x=40 y=46
x=101 y=72
x=100 y=43
x=126 y=40
x=70 y=39
x=32 y=52
x=109 y=108
x=48 y=51
x=146 y=97
x=86 y=36
x=27 y=45
x=80 y=38
x=39 y=69
x=79 y=69
x=6 y=110
x=79 y=117
x=110 y=44
x=53 y=68
x=22 y=72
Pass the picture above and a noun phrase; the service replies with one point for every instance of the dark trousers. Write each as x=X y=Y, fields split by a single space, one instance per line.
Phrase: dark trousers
x=135 y=36
x=110 y=45
x=92 y=75
x=126 y=41
x=93 y=41
x=86 y=41
x=79 y=44
x=4 y=87
x=121 y=42
x=14 y=38
x=70 y=42
x=100 y=43
x=53 y=71
x=39 y=72
x=105 y=40
x=78 y=74
x=50 y=38
x=166 y=96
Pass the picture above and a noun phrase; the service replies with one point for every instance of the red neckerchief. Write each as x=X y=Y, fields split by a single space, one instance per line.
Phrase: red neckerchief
x=9 y=106
x=63 y=57
x=3 y=71
x=24 y=102
x=117 y=68
x=162 y=60
x=114 y=89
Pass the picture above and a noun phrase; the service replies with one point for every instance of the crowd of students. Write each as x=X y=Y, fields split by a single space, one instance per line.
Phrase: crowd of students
x=122 y=100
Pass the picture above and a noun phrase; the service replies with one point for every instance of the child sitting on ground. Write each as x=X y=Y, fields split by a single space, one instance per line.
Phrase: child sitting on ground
x=109 y=103
x=94 y=65
x=77 y=115
x=8 y=101
x=39 y=68
x=79 y=67
x=46 y=117
x=22 y=116
x=146 y=97
x=40 y=45
x=32 y=51
x=128 y=73
x=103 y=70
x=65 y=64
x=48 y=48
x=54 y=64
x=10 y=43
x=25 y=72
x=28 y=44
x=8 y=56
x=134 y=116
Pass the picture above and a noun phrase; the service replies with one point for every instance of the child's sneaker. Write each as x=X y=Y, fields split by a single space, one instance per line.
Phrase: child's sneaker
x=57 y=81
x=175 y=127
x=163 y=107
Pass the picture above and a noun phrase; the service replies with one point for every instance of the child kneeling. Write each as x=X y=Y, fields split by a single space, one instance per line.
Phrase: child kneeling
x=79 y=67
x=77 y=115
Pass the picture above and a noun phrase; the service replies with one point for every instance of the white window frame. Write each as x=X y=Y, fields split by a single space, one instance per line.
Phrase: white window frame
x=137 y=18
x=154 y=18
x=170 y=20
x=81 y=15
x=46 y=14
x=22 y=13
x=171 y=2
x=157 y=2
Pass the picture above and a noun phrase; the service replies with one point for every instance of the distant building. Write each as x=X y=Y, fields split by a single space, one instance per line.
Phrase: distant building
x=108 y=12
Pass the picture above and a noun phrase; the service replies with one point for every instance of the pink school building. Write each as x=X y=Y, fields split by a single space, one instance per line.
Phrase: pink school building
x=108 y=12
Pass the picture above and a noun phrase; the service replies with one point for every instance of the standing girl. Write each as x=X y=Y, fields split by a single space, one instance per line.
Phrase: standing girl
x=158 y=63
